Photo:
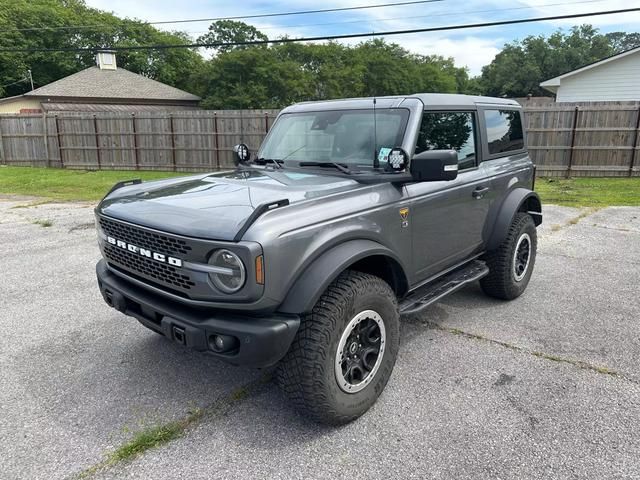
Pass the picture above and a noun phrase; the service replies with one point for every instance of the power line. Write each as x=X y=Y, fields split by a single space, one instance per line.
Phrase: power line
x=328 y=37
x=239 y=17
x=15 y=83
x=413 y=17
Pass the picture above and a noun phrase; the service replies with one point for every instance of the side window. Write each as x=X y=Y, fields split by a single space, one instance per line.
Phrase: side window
x=504 y=130
x=449 y=130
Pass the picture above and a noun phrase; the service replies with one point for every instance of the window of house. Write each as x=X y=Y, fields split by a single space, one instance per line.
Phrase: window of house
x=504 y=130
x=449 y=131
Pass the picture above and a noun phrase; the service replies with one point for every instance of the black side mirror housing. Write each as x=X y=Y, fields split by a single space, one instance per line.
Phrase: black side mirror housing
x=242 y=154
x=434 y=166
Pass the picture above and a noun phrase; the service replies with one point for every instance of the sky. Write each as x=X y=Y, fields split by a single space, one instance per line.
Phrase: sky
x=472 y=48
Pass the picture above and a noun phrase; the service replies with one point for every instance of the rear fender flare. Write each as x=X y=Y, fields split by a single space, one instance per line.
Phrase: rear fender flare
x=519 y=199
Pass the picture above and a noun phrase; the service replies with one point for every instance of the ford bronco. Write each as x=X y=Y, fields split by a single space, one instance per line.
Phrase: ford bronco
x=351 y=214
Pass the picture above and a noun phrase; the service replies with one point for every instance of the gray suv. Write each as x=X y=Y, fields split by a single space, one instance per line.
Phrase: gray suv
x=351 y=213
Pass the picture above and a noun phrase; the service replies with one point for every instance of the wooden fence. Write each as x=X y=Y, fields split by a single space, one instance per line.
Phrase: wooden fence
x=585 y=139
x=186 y=141
x=564 y=139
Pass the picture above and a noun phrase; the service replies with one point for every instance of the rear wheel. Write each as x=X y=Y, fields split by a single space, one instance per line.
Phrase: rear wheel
x=511 y=264
x=345 y=350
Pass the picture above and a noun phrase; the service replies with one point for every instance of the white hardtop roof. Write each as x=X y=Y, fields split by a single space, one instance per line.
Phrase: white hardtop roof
x=429 y=100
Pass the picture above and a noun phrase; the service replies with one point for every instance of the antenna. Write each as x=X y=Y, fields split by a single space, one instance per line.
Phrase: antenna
x=241 y=109
x=376 y=162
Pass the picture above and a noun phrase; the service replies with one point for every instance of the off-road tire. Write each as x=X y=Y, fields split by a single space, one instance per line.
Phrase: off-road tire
x=307 y=373
x=501 y=281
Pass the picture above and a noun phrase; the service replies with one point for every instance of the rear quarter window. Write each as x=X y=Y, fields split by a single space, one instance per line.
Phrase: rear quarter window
x=504 y=131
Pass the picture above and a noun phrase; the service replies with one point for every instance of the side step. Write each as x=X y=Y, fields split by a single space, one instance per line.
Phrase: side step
x=440 y=287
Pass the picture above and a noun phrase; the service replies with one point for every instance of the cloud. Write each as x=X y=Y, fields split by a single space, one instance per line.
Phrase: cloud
x=471 y=48
x=620 y=21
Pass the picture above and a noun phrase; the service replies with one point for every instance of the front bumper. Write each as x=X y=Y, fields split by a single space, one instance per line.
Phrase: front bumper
x=262 y=340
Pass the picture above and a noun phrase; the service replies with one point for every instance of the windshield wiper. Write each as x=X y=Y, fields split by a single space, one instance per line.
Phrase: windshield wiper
x=263 y=161
x=340 y=166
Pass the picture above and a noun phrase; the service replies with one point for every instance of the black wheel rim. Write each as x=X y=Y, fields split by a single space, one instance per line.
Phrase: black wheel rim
x=360 y=351
x=521 y=257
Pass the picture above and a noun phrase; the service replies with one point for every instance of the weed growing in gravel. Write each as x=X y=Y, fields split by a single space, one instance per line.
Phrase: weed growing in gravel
x=33 y=204
x=162 y=434
x=554 y=358
x=43 y=223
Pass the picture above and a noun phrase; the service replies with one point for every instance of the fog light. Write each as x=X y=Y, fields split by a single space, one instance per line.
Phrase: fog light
x=223 y=343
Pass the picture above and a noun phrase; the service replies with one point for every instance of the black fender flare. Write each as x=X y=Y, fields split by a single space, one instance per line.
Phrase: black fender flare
x=314 y=280
x=516 y=200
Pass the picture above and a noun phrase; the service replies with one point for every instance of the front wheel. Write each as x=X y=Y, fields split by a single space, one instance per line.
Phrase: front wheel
x=344 y=351
x=511 y=264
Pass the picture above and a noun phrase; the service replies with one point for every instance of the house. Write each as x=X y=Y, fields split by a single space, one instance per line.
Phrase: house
x=615 y=78
x=103 y=88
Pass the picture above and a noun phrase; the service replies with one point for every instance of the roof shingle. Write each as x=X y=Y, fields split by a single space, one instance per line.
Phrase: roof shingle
x=117 y=84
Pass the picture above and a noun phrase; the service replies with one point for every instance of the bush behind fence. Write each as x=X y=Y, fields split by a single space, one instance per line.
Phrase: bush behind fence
x=575 y=139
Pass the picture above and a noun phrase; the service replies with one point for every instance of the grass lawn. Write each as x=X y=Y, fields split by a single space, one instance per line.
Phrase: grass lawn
x=589 y=191
x=59 y=184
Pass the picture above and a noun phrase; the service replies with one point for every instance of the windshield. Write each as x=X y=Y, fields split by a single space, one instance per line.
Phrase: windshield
x=343 y=136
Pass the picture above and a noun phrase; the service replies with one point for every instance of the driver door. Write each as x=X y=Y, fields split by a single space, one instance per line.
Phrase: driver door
x=447 y=218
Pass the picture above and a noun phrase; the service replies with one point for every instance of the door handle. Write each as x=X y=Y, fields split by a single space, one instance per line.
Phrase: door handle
x=479 y=192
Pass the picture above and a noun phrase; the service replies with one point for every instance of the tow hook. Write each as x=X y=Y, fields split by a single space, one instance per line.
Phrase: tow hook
x=178 y=335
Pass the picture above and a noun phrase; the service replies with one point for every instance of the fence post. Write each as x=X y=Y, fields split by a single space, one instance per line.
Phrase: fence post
x=215 y=138
x=59 y=141
x=45 y=137
x=266 y=123
x=173 y=143
x=135 y=141
x=95 y=129
x=634 y=145
x=3 y=157
x=573 y=140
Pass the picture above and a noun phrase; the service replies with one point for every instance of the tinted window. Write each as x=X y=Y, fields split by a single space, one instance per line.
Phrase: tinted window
x=504 y=130
x=446 y=131
x=335 y=136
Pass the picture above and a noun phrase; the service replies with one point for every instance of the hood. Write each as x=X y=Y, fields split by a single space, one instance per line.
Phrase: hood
x=215 y=206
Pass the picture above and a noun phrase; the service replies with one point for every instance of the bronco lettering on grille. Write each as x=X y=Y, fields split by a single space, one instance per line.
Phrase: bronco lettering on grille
x=159 y=257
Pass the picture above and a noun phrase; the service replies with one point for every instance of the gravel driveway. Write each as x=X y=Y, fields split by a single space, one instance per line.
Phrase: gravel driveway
x=546 y=386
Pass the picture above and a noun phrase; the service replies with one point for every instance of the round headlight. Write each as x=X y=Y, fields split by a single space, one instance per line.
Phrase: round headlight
x=232 y=273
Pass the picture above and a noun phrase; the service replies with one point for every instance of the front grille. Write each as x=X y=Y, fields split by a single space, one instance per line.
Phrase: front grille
x=150 y=240
x=161 y=272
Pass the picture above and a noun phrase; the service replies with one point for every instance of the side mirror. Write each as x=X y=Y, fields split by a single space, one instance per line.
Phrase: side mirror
x=434 y=165
x=242 y=153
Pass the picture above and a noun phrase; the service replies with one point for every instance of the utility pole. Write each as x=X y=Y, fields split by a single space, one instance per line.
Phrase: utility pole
x=30 y=78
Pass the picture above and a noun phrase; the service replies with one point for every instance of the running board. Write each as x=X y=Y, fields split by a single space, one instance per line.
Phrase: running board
x=449 y=283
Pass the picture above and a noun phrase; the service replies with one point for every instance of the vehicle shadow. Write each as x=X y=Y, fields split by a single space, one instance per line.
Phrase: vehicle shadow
x=105 y=383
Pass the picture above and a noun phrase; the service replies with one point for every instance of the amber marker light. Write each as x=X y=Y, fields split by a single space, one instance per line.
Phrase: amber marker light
x=259 y=270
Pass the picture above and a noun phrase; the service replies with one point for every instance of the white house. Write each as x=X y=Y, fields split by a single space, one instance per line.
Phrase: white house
x=616 y=78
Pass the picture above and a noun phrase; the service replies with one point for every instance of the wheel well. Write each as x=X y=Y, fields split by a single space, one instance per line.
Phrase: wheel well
x=387 y=269
x=532 y=205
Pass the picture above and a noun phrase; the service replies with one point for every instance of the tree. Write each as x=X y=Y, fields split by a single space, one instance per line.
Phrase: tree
x=622 y=41
x=253 y=78
x=522 y=65
x=172 y=66
x=273 y=77
x=229 y=31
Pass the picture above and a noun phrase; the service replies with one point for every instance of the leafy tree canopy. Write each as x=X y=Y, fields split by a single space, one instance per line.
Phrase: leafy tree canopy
x=171 y=66
x=276 y=76
x=229 y=31
x=522 y=65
